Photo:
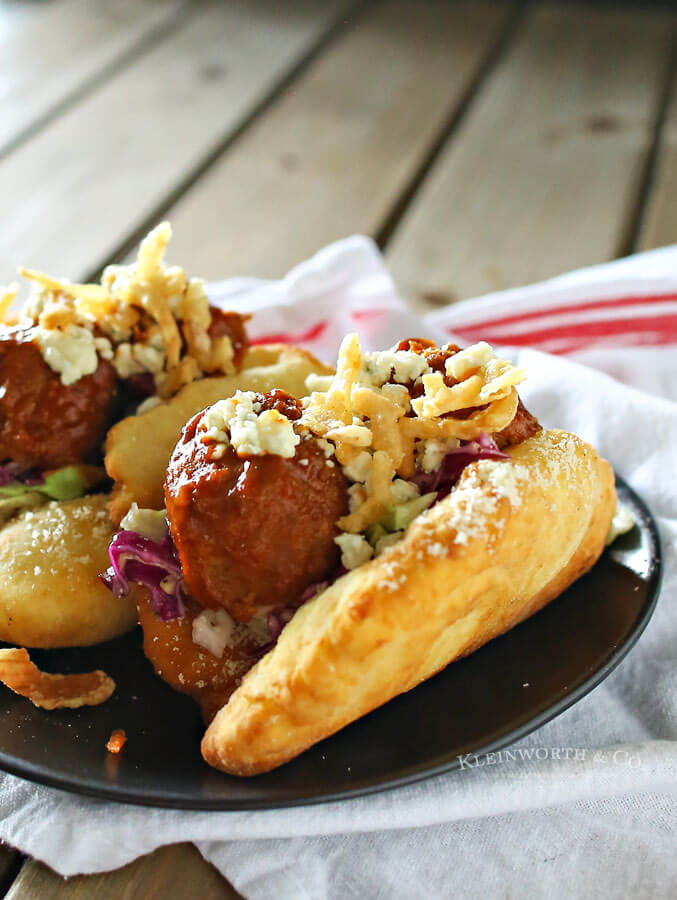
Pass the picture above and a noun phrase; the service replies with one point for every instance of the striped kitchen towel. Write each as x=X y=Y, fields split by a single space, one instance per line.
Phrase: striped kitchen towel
x=620 y=317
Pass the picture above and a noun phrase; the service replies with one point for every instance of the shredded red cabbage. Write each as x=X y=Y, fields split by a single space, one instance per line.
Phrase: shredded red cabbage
x=13 y=473
x=277 y=619
x=318 y=587
x=454 y=463
x=154 y=565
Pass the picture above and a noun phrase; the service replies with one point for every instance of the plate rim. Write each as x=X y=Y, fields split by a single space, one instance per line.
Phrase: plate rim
x=110 y=793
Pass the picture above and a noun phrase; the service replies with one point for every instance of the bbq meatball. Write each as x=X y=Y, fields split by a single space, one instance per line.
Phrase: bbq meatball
x=44 y=423
x=522 y=427
x=253 y=533
x=190 y=668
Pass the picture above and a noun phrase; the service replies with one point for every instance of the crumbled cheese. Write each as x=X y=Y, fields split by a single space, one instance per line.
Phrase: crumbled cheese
x=432 y=451
x=213 y=629
x=239 y=422
x=621 y=523
x=356 y=435
x=124 y=362
x=215 y=423
x=402 y=491
x=104 y=347
x=149 y=523
x=151 y=358
x=358 y=469
x=71 y=352
x=401 y=366
x=398 y=394
x=325 y=447
x=469 y=360
x=356 y=496
x=133 y=359
x=355 y=550
x=270 y=432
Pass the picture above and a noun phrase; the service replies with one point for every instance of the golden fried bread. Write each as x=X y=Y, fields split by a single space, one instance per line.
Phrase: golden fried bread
x=508 y=539
x=50 y=592
x=139 y=447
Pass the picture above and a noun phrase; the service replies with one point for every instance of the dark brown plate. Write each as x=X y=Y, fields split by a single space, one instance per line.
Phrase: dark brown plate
x=476 y=705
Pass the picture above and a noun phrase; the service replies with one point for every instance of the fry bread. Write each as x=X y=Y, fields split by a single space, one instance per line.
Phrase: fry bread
x=508 y=539
x=50 y=593
x=138 y=448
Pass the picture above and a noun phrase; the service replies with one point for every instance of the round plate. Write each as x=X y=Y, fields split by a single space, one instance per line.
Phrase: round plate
x=494 y=697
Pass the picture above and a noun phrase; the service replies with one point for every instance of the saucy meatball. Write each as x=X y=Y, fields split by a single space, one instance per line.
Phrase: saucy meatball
x=223 y=324
x=253 y=533
x=522 y=427
x=44 y=423
x=189 y=668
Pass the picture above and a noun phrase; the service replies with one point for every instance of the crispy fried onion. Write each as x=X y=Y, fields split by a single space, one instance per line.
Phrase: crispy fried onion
x=137 y=309
x=48 y=691
x=370 y=423
x=7 y=297
x=116 y=741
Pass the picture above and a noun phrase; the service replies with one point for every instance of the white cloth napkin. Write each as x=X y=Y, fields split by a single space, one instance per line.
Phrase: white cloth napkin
x=593 y=812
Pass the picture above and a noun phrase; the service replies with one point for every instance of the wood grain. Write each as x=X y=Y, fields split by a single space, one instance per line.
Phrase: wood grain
x=336 y=152
x=55 y=50
x=659 y=225
x=79 y=187
x=545 y=171
x=170 y=873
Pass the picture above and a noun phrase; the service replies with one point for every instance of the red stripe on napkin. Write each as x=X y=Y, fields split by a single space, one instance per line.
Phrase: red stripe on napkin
x=361 y=314
x=664 y=328
x=648 y=339
x=300 y=337
x=609 y=302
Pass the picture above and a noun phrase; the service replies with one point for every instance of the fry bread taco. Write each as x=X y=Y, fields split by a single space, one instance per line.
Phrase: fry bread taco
x=312 y=558
x=75 y=360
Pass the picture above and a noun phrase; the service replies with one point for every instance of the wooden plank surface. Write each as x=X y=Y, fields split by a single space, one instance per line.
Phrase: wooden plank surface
x=170 y=873
x=75 y=191
x=335 y=153
x=544 y=173
x=54 y=50
x=659 y=225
